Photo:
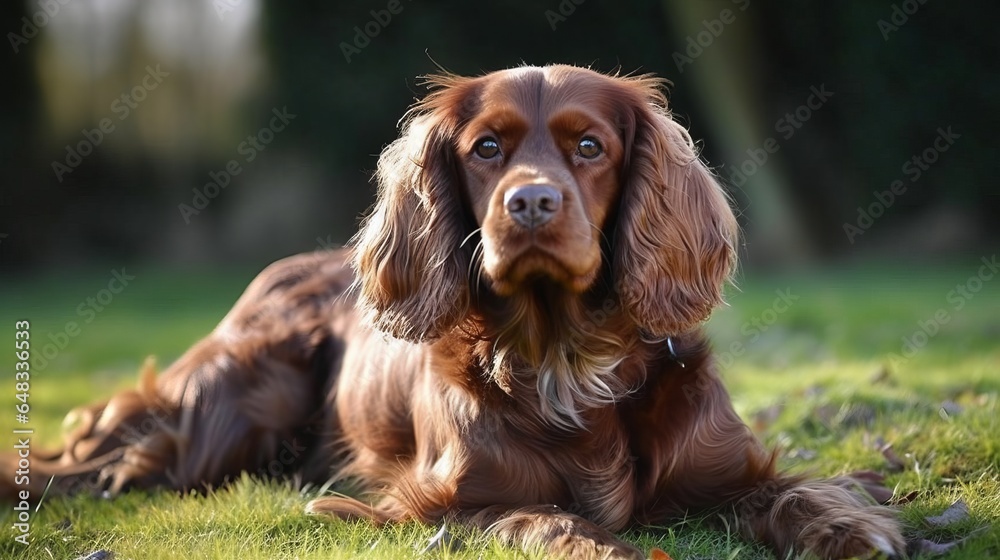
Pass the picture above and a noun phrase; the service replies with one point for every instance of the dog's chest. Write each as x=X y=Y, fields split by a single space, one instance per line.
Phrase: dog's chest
x=589 y=473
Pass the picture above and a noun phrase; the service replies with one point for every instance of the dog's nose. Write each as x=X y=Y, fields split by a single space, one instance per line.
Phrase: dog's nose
x=532 y=205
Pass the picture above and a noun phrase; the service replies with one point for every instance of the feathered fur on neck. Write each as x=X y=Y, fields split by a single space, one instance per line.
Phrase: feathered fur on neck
x=567 y=350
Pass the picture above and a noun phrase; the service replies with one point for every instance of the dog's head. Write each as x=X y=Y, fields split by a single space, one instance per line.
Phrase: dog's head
x=524 y=176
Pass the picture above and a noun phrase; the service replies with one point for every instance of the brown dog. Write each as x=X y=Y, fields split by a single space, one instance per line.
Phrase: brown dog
x=512 y=342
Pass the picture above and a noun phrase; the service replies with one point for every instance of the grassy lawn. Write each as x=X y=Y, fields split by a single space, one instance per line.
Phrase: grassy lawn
x=824 y=372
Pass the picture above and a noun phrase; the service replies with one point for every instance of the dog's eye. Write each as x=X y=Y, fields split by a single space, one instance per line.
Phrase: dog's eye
x=487 y=148
x=588 y=148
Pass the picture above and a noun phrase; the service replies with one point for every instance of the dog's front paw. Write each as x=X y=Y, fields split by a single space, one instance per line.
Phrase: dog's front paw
x=823 y=519
x=869 y=533
x=575 y=548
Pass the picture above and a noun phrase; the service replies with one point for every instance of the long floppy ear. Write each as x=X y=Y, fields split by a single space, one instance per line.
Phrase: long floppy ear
x=675 y=244
x=408 y=255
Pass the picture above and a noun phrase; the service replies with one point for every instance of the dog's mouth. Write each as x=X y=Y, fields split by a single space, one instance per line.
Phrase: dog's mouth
x=508 y=271
x=562 y=249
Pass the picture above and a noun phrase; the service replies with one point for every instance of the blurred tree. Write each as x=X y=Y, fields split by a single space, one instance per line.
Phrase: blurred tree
x=893 y=87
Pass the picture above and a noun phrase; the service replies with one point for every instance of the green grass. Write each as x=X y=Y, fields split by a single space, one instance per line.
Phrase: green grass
x=820 y=381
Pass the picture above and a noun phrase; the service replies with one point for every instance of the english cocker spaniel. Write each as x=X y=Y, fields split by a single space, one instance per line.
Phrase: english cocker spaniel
x=512 y=341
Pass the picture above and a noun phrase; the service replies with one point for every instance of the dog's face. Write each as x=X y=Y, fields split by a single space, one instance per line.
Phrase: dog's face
x=563 y=173
x=541 y=162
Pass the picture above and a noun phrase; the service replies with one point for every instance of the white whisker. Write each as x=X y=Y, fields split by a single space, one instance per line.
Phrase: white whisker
x=468 y=237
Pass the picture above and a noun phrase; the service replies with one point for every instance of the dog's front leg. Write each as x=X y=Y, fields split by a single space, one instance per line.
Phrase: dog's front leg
x=556 y=532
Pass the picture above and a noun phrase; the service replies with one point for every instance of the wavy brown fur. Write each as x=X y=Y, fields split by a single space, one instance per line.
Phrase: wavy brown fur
x=460 y=364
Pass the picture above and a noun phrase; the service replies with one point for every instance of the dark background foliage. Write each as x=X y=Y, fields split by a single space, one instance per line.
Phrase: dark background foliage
x=231 y=62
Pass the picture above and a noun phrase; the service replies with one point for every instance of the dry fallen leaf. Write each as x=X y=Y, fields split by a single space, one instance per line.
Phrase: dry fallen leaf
x=868 y=476
x=949 y=408
x=896 y=464
x=924 y=546
x=657 y=554
x=906 y=499
x=920 y=547
x=98 y=555
x=825 y=414
x=763 y=418
x=955 y=513
x=872 y=482
x=858 y=415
